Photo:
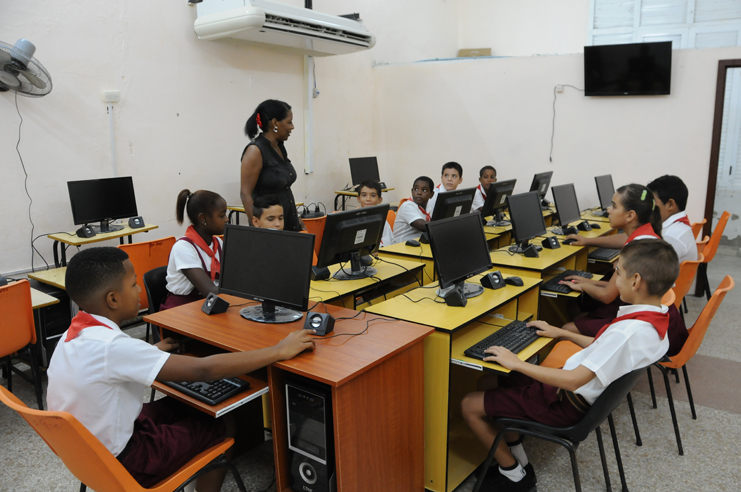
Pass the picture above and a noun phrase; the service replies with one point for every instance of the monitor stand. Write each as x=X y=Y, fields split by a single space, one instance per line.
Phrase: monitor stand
x=107 y=226
x=468 y=290
x=358 y=269
x=601 y=213
x=545 y=204
x=498 y=220
x=270 y=313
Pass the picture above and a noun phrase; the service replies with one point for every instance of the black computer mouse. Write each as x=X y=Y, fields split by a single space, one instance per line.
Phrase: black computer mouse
x=412 y=242
x=516 y=281
x=596 y=226
x=568 y=241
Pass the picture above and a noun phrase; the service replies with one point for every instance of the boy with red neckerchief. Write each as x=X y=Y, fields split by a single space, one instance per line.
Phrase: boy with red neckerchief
x=670 y=194
x=412 y=215
x=645 y=271
x=487 y=176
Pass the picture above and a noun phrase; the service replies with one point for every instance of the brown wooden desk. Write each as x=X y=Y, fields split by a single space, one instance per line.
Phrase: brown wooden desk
x=377 y=382
x=72 y=239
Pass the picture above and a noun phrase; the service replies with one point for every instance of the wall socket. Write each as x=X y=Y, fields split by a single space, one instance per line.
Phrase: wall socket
x=559 y=88
x=111 y=96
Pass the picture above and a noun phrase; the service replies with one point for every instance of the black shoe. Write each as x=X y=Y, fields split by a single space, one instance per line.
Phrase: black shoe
x=504 y=484
x=530 y=471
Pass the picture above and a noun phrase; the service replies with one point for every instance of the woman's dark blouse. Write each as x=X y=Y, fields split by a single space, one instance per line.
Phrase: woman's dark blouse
x=276 y=177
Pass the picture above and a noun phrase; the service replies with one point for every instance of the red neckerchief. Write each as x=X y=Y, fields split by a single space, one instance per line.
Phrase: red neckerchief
x=421 y=210
x=80 y=322
x=191 y=234
x=683 y=220
x=644 y=230
x=481 y=190
x=659 y=320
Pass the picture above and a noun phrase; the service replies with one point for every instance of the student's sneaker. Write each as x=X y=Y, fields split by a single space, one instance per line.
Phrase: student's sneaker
x=496 y=482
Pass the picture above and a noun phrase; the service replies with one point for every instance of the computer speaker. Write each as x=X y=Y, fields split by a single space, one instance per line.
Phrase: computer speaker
x=214 y=304
x=318 y=273
x=322 y=323
x=531 y=252
x=570 y=230
x=424 y=238
x=455 y=298
x=551 y=243
x=493 y=280
x=136 y=222
x=85 y=231
x=584 y=226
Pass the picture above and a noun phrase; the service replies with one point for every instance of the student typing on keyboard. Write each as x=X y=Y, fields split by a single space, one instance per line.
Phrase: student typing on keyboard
x=561 y=397
x=99 y=374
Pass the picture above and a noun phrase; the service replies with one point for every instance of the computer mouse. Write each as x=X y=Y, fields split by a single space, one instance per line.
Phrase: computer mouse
x=568 y=241
x=412 y=242
x=596 y=226
x=516 y=281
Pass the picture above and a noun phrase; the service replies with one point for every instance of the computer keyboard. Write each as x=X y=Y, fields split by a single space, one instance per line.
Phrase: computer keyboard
x=515 y=337
x=212 y=393
x=554 y=285
x=605 y=254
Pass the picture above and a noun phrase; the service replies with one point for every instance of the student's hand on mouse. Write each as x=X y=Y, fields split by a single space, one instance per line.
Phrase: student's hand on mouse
x=296 y=342
x=543 y=329
x=575 y=282
x=502 y=356
x=577 y=240
x=169 y=345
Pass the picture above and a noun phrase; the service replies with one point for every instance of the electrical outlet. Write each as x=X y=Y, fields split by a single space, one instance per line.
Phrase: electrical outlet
x=559 y=88
x=111 y=96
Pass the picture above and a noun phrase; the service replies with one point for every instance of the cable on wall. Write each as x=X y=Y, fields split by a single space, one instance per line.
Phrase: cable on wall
x=553 y=123
x=25 y=180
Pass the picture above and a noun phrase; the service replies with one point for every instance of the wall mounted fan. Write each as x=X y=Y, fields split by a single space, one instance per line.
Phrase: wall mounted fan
x=21 y=72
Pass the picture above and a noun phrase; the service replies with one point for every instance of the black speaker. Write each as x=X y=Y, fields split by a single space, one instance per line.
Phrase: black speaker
x=531 y=252
x=584 y=226
x=551 y=243
x=570 y=230
x=424 y=238
x=85 y=231
x=214 y=304
x=493 y=280
x=136 y=222
x=455 y=298
x=323 y=323
x=318 y=273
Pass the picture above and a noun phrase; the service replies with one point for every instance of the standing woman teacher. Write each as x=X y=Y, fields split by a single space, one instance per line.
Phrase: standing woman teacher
x=266 y=169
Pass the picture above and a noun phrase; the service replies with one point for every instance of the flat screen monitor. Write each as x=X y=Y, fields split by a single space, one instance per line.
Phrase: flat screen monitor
x=363 y=169
x=605 y=190
x=567 y=207
x=272 y=267
x=527 y=218
x=460 y=250
x=348 y=236
x=102 y=200
x=637 y=69
x=496 y=201
x=453 y=203
x=540 y=183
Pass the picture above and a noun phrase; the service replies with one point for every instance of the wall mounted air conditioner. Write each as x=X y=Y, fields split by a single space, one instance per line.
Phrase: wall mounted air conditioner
x=282 y=26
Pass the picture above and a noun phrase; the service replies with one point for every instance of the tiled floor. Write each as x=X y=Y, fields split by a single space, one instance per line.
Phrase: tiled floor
x=712 y=460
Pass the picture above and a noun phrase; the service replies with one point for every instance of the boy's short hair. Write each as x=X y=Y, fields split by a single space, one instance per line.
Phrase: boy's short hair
x=261 y=203
x=372 y=184
x=452 y=165
x=654 y=260
x=93 y=272
x=668 y=188
x=426 y=180
x=486 y=168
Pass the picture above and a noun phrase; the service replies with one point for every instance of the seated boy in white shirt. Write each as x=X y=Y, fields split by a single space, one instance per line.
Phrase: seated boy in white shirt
x=99 y=375
x=452 y=177
x=267 y=213
x=670 y=195
x=487 y=176
x=369 y=194
x=561 y=397
x=412 y=215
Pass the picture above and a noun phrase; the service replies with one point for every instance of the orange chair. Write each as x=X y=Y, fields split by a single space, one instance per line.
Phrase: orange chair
x=402 y=201
x=316 y=226
x=391 y=218
x=91 y=462
x=701 y=244
x=18 y=332
x=669 y=298
x=147 y=256
x=687 y=271
x=697 y=227
x=710 y=249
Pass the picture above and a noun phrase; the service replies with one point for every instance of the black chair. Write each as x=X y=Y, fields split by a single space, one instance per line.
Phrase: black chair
x=571 y=437
x=156 y=286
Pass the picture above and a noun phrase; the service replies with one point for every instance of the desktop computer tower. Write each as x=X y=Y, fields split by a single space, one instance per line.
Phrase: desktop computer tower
x=310 y=436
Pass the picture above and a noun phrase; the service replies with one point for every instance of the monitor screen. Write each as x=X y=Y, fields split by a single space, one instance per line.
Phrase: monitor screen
x=100 y=200
x=540 y=183
x=496 y=196
x=453 y=203
x=363 y=169
x=526 y=216
x=638 y=69
x=567 y=207
x=273 y=267
x=605 y=190
x=350 y=235
x=459 y=248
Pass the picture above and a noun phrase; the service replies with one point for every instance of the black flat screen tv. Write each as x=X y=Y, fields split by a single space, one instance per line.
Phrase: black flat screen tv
x=639 y=69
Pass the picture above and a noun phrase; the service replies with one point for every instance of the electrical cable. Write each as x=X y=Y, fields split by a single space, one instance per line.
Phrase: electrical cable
x=25 y=182
x=553 y=123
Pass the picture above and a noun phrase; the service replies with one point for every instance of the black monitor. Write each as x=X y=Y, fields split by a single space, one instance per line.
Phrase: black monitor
x=605 y=191
x=567 y=207
x=453 y=203
x=496 y=201
x=540 y=183
x=634 y=69
x=460 y=250
x=273 y=267
x=348 y=236
x=363 y=169
x=102 y=200
x=527 y=219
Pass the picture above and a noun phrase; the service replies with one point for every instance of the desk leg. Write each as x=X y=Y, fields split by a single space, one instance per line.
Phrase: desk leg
x=64 y=254
x=56 y=254
x=437 y=390
x=336 y=201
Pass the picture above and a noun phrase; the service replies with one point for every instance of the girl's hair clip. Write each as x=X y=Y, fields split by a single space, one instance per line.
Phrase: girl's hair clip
x=643 y=195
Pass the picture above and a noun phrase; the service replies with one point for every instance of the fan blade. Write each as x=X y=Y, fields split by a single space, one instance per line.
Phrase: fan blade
x=33 y=79
x=4 y=58
x=9 y=79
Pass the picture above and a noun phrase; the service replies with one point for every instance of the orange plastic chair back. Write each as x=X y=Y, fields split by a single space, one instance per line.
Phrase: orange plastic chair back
x=701 y=245
x=17 y=328
x=402 y=201
x=687 y=271
x=698 y=330
x=391 y=218
x=712 y=246
x=86 y=457
x=668 y=298
x=697 y=227
x=148 y=256
x=560 y=354
x=316 y=227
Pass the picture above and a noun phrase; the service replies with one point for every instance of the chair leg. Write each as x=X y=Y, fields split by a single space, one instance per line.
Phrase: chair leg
x=575 y=469
x=487 y=462
x=689 y=392
x=33 y=352
x=676 y=375
x=618 y=458
x=237 y=478
x=9 y=369
x=681 y=314
x=665 y=373
x=704 y=267
x=651 y=385
x=639 y=442
x=83 y=488
x=146 y=334
x=602 y=457
x=684 y=303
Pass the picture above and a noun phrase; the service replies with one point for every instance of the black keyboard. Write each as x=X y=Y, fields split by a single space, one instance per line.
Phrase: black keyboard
x=515 y=337
x=212 y=393
x=554 y=285
x=605 y=254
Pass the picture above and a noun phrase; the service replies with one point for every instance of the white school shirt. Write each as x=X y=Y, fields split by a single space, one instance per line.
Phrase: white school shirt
x=183 y=256
x=625 y=346
x=387 y=238
x=478 y=199
x=431 y=203
x=680 y=237
x=407 y=213
x=100 y=377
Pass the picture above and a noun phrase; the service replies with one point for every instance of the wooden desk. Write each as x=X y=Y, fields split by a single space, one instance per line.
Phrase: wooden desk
x=590 y=216
x=343 y=195
x=239 y=209
x=72 y=239
x=420 y=254
x=452 y=452
x=40 y=299
x=53 y=276
x=376 y=381
x=567 y=256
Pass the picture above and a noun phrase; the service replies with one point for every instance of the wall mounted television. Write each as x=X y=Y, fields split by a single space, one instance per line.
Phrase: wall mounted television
x=638 y=69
